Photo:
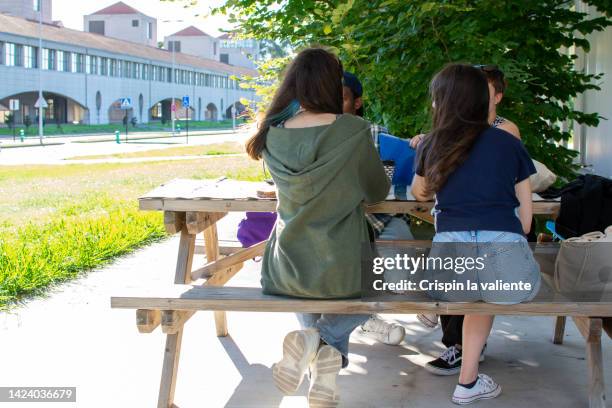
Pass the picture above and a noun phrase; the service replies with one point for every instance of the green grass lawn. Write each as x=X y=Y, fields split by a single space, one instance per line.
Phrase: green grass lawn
x=52 y=129
x=213 y=149
x=58 y=221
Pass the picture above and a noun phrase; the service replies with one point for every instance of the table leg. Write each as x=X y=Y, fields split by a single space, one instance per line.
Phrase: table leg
x=591 y=329
x=211 y=245
x=559 y=330
x=172 y=349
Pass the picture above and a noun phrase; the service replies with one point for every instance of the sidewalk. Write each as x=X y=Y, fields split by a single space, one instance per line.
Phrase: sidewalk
x=74 y=338
x=7 y=141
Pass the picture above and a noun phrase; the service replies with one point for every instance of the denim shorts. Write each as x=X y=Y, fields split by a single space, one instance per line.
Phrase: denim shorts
x=505 y=259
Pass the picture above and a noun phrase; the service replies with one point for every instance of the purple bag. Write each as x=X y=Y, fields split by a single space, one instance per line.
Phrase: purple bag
x=255 y=227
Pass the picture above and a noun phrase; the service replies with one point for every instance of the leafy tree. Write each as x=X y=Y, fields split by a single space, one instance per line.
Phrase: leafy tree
x=9 y=119
x=396 y=46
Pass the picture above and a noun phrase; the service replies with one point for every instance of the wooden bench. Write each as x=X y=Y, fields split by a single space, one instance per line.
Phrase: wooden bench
x=193 y=207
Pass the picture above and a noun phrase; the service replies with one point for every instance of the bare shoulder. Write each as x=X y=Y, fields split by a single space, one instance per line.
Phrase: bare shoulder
x=511 y=128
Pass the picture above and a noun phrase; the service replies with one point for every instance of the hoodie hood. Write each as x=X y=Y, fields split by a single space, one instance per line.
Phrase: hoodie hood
x=303 y=161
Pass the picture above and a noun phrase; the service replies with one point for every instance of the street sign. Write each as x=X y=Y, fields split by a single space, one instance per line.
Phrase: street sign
x=14 y=104
x=126 y=103
x=185 y=101
x=41 y=103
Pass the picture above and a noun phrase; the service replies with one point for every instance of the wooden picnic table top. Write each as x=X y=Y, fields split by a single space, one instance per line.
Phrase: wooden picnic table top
x=231 y=195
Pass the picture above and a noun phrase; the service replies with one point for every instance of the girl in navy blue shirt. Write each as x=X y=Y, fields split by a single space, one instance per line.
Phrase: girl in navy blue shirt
x=479 y=177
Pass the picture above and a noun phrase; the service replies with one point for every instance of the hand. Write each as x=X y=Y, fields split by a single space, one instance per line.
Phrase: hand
x=415 y=141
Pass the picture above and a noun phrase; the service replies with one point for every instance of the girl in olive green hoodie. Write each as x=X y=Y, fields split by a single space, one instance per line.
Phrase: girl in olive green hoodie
x=324 y=166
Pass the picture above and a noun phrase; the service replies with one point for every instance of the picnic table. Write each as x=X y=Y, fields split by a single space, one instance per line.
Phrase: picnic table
x=192 y=207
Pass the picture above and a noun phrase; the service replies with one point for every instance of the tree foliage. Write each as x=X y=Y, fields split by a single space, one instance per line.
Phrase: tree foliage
x=395 y=47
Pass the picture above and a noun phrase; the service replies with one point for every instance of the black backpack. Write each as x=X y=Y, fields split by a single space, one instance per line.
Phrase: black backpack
x=586 y=206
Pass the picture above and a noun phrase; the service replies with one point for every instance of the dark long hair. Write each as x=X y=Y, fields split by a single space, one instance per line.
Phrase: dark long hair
x=460 y=95
x=313 y=81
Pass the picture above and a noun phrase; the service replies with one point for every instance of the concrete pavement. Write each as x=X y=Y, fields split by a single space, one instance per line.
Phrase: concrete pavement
x=57 y=154
x=74 y=338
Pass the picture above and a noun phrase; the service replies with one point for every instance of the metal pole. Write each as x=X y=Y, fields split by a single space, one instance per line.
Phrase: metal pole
x=40 y=87
x=173 y=105
x=234 y=117
x=187 y=124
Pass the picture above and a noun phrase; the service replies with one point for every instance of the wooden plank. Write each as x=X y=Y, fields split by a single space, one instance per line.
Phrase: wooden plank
x=172 y=349
x=589 y=328
x=211 y=246
x=188 y=297
x=167 y=387
x=174 y=221
x=221 y=277
x=559 y=329
x=173 y=320
x=147 y=320
x=239 y=257
x=199 y=221
x=267 y=205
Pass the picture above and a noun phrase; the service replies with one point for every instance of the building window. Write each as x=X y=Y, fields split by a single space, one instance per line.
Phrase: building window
x=103 y=66
x=9 y=54
x=91 y=64
x=77 y=62
x=150 y=31
x=30 y=56
x=145 y=71
x=62 y=61
x=224 y=58
x=135 y=23
x=36 y=5
x=48 y=59
x=112 y=67
x=168 y=75
x=96 y=27
x=174 y=46
x=215 y=48
x=127 y=69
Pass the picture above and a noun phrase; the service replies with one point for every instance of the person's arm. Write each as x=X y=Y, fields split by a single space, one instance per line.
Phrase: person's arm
x=416 y=140
x=523 y=194
x=372 y=177
x=511 y=128
x=418 y=189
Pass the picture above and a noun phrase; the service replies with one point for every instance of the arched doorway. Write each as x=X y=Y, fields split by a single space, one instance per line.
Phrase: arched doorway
x=117 y=115
x=211 y=112
x=238 y=108
x=60 y=109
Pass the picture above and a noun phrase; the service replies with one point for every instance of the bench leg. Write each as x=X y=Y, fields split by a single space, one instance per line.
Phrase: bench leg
x=169 y=370
x=172 y=349
x=559 y=330
x=211 y=245
x=591 y=329
x=597 y=397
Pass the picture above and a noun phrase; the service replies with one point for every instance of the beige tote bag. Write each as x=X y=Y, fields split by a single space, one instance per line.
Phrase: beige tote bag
x=584 y=264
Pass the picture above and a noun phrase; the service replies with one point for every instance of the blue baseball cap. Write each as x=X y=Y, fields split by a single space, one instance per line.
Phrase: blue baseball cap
x=352 y=82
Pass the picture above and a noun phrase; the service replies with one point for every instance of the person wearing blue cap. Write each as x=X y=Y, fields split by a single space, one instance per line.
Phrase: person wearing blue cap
x=385 y=226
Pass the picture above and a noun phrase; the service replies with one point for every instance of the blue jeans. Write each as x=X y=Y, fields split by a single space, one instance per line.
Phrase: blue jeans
x=506 y=257
x=335 y=329
x=396 y=229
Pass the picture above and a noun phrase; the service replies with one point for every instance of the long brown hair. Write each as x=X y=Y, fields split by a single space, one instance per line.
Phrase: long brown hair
x=460 y=96
x=313 y=81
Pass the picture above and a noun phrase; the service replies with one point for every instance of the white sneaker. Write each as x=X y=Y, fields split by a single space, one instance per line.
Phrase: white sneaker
x=485 y=388
x=428 y=319
x=324 y=370
x=299 y=349
x=388 y=333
